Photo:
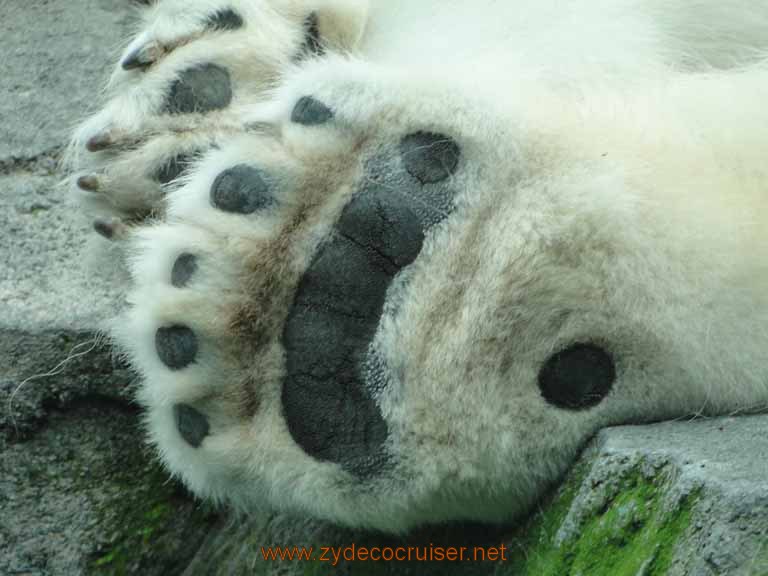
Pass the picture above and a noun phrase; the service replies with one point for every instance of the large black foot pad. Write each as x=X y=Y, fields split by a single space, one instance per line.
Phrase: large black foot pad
x=327 y=394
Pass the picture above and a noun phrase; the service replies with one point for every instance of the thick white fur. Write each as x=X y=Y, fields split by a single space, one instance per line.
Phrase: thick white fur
x=613 y=189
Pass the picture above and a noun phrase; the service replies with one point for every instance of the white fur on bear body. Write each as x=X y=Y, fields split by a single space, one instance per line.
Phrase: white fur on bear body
x=614 y=188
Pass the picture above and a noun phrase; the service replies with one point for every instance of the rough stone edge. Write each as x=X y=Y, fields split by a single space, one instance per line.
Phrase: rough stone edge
x=625 y=513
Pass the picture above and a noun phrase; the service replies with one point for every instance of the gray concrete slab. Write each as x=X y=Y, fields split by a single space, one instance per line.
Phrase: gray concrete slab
x=58 y=281
x=55 y=57
x=79 y=493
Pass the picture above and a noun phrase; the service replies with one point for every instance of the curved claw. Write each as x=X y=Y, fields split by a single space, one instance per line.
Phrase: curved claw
x=100 y=141
x=113 y=229
x=89 y=183
x=143 y=56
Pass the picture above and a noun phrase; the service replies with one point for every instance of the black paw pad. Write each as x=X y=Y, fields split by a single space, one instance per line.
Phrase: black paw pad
x=176 y=346
x=577 y=377
x=241 y=189
x=200 y=89
x=183 y=270
x=310 y=112
x=226 y=19
x=326 y=395
x=191 y=424
x=429 y=157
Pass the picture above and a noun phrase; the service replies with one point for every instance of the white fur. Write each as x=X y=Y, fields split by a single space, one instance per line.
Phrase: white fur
x=613 y=189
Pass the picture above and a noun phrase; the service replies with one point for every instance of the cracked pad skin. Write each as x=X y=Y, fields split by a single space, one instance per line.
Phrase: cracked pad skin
x=387 y=279
x=338 y=305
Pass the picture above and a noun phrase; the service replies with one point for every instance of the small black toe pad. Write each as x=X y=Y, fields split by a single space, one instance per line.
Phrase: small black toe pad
x=242 y=189
x=429 y=157
x=191 y=424
x=183 y=270
x=578 y=377
x=176 y=346
x=174 y=168
x=310 y=112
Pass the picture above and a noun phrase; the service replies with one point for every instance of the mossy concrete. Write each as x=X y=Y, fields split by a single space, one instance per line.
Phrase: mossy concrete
x=81 y=495
x=86 y=498
x=668 y=499
x=634 y=533
x=153 y=525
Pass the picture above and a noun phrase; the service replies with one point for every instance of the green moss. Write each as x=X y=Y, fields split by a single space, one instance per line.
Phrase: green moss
x=759 y=565
x=516 y=542
x=106 y=559
x=36 y=209
x=144 y=519
x=138 y=521
x=152 y=526
x=633 y=534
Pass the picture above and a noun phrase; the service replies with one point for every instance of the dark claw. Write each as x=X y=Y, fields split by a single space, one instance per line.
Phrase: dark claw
x=113 y=229
x=101 y=141
x=142 y=57
x=89 y=183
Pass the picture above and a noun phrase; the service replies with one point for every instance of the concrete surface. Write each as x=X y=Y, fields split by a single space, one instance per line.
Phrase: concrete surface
x=80 y=495
x=54 y=58
x=76 y=484
x=80 y=492
x=679 y=499
x=721 y=464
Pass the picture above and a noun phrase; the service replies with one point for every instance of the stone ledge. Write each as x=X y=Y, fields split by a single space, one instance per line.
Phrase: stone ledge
x=670 y=498
x=678 y=499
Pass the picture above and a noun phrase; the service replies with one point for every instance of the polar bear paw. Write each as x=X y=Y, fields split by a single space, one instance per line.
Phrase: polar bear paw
x=259 y=295
x=272 y=205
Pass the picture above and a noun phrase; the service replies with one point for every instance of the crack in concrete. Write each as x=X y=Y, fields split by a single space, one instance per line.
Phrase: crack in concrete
x=100 y=402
